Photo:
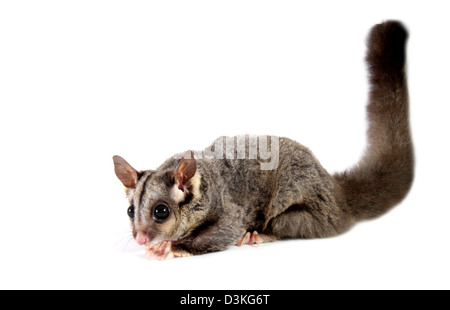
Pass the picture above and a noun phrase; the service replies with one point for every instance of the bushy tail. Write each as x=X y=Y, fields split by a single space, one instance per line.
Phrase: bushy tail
x=384 y=175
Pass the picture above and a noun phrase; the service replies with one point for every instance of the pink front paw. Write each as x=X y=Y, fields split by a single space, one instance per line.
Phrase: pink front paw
x=159 y=251
x=163 y=251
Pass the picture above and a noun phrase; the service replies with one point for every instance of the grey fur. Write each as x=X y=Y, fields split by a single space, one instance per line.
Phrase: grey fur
x=228 y=197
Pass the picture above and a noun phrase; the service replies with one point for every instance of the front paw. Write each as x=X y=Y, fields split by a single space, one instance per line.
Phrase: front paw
x=163 y=251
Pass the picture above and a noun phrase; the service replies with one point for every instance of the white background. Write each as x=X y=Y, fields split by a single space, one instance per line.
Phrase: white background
x=81 y=81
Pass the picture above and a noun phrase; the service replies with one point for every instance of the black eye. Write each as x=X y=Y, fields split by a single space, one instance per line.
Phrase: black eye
x=161 y=212
x=130 y=212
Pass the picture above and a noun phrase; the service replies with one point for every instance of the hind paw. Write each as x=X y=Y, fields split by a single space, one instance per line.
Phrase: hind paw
x=255 y=239
x=248 y=238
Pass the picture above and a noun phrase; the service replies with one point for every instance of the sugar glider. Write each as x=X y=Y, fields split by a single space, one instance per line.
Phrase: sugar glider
x=230 y=194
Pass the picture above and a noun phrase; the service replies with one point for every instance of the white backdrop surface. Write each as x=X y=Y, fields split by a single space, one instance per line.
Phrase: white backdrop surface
x=81 y=81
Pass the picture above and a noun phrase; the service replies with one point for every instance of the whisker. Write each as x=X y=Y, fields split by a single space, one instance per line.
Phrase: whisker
x=124 y=239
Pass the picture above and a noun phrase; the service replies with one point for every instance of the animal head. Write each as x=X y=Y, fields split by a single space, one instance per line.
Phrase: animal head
x=156 y=197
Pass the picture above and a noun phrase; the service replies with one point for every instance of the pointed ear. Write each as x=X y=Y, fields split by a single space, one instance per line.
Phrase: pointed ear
x=186 y=170
x=126 y=174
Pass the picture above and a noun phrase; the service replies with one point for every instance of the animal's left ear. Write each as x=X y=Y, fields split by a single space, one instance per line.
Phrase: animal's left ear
x=186 y=170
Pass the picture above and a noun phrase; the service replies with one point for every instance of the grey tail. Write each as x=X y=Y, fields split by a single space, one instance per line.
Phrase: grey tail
x=385 y=173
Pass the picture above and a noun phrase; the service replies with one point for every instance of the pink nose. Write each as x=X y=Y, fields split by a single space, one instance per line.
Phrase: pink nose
x=142 y=238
